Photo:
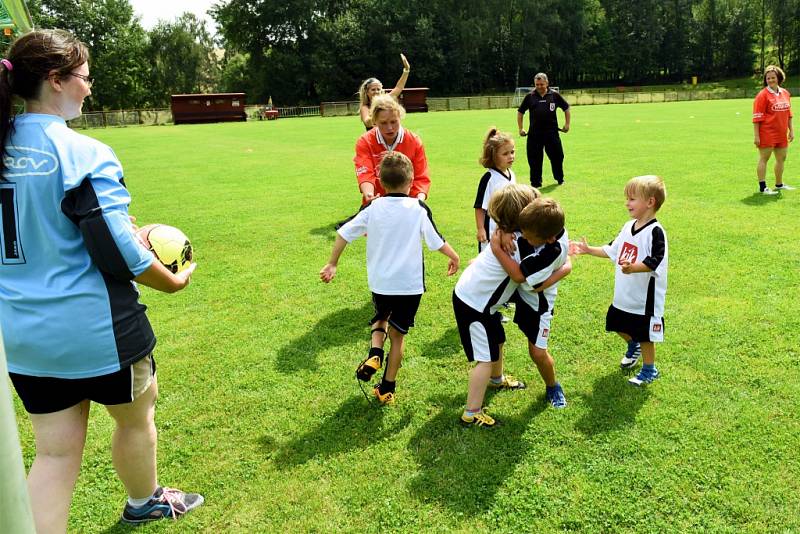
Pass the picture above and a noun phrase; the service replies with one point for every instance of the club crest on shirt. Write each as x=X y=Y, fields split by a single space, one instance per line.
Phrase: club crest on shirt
x=552 y=107
x=545 y=332
x=628 y=253
x=657 y=327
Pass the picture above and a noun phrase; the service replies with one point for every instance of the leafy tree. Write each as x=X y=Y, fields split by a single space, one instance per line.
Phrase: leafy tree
x=182 y=59
x=116 y=41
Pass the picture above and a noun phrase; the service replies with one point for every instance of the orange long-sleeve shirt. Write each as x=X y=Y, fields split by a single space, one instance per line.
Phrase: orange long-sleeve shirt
x=370 y=150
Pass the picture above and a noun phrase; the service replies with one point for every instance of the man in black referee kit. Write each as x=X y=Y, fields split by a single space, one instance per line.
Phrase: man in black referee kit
x=542 y=103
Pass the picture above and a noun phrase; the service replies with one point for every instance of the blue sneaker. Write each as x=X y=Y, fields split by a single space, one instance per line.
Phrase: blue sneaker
x=555 y=396
x=645 y=376
x=165 y=503
x=632 y=355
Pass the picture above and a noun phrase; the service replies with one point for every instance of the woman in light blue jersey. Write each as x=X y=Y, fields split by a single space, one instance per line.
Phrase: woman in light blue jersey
x=73 y=329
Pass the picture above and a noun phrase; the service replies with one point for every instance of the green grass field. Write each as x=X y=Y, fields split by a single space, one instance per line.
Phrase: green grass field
x=259 y=409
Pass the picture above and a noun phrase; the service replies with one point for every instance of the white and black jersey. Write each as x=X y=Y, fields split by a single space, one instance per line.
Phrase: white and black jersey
x=537 y=264
x=491 y=181
x=640 y=293
x=395 y=225
x=485 y=285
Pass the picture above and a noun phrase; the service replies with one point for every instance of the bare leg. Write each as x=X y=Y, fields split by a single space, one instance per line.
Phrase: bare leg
x=133 y=447
x=478 y=379
x=395 y=354
x=379 y=338
x=780 y=159
x=761 y=168
x=497 y=367
x=60 y=438
x=544 y=363
x=624 y=336
x=648 y=352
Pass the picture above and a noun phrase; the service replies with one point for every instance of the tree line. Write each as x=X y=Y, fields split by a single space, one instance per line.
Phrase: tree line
x=307 y=51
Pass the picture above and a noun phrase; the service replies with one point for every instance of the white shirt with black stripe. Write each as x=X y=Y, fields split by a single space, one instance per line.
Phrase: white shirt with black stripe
x=537 y=264
x=640 y=293
x=395 y=225
x=491 y=181
x=485 y=285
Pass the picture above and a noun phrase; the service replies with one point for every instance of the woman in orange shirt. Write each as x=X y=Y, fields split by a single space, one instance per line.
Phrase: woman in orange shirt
x=387 y=136
x=772 y=117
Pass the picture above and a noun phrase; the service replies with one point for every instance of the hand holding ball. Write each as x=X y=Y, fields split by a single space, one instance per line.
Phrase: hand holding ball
x=169 y=245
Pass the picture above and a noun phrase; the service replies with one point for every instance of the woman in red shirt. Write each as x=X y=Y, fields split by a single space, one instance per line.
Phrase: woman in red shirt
x=388 y=135
x=772 y=117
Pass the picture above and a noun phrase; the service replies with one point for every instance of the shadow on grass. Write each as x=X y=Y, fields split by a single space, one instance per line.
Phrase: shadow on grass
x=446 y=346
x=463 y=468
x=328 y=231
x=120 y=528
x=758 y=199
x=547 y=188
x=355 y=425
x=613 y=403
x=335 y=329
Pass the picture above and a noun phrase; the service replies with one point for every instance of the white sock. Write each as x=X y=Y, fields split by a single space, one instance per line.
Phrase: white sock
x=138 y=503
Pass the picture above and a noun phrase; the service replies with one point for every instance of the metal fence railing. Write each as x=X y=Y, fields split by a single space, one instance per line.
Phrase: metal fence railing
x=102 y=119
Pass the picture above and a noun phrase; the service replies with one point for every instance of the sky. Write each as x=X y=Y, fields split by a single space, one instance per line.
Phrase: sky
x=151 y=11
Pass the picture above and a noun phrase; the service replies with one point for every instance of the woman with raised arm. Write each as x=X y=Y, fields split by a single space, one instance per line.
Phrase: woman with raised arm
x=74 y=331
x=372 y=87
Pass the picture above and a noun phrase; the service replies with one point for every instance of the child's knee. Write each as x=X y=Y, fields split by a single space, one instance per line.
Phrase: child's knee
x=538 y=354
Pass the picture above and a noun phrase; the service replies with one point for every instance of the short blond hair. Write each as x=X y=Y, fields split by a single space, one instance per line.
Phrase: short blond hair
x=778 y=72
x=507 y=203
x=543 y=217
x=385 y=103
x=396 y=171
x=644 y=187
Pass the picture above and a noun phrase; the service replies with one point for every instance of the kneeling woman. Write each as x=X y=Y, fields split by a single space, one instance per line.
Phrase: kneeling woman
x=389 y=135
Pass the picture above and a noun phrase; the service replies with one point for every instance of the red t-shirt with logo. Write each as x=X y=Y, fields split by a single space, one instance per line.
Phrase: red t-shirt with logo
x=772 y=112
x=370 y=150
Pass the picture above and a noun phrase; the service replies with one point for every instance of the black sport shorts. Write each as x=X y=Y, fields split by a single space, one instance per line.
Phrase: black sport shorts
x=42 y=394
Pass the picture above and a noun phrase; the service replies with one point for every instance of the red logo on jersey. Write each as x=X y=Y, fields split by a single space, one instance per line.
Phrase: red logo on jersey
x=545 y=332
x=628 y=254
x=657 y=327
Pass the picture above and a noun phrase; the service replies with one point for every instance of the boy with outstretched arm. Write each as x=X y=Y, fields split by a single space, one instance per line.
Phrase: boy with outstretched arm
x=640 y=258
x=395 y=225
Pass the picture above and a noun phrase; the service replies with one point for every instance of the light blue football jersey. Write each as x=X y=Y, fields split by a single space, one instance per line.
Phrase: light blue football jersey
x=68 y=305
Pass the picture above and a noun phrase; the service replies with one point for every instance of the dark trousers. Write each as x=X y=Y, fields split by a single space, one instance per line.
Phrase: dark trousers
x=548 y=142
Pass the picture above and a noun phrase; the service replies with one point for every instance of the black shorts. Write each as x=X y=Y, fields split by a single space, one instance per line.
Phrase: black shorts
x=399 y=310
x=637 y=326
x=42 y=394
x=535 y=325
x=481 y=333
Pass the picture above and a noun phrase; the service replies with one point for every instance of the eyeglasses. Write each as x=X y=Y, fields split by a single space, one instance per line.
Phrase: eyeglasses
x=89 y=80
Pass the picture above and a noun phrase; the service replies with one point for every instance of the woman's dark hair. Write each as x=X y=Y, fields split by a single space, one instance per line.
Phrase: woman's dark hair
x=33 y=57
